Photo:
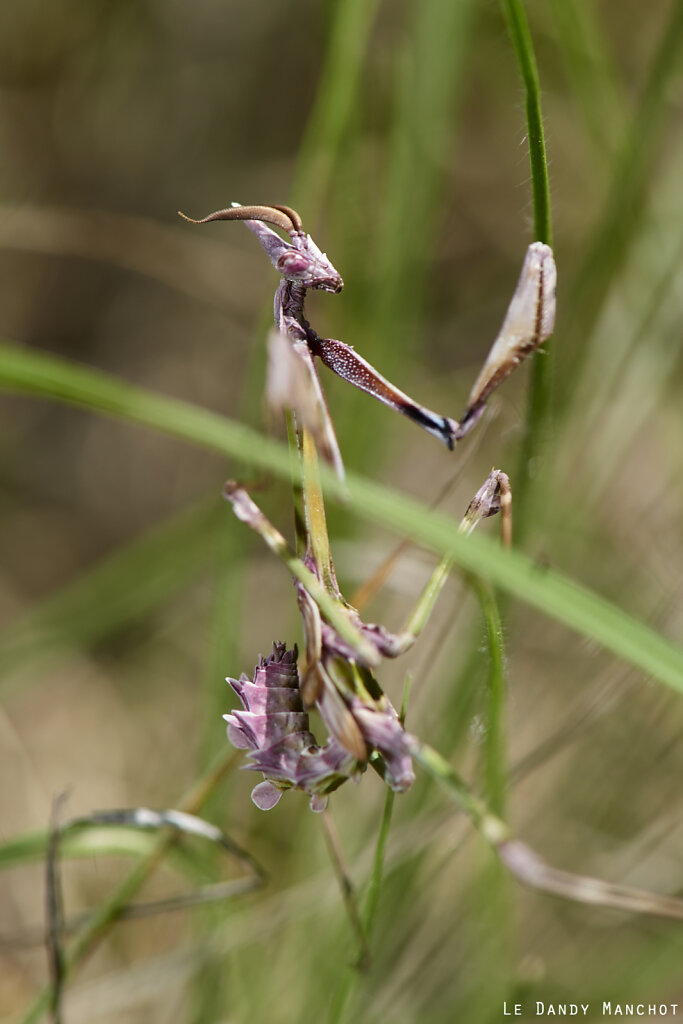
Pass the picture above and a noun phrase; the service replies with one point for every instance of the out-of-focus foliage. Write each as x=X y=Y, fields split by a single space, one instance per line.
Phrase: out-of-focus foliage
x=127 y=592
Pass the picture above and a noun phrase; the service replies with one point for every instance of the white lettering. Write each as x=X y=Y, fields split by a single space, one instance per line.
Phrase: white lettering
x=516 y=1010
x=561 y=1009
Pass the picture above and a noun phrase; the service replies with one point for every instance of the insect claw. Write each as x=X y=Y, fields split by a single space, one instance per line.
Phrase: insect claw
x=451 y=432
x=471 y=417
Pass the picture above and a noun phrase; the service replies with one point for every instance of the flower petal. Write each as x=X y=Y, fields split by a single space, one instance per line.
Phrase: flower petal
x=266 y=795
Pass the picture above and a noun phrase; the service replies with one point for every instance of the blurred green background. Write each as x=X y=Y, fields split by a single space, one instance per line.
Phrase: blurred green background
x=127 y=589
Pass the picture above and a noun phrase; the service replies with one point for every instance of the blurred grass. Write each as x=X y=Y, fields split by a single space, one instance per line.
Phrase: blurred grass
x=411 y=176
x=631 y=178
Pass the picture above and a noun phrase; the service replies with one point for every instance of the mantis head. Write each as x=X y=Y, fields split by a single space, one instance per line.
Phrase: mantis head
x=299 y=261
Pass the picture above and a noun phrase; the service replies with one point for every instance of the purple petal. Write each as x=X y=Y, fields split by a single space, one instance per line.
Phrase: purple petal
x=265 y=730
x=269 y=699
x=236 y=735
x=266 y=795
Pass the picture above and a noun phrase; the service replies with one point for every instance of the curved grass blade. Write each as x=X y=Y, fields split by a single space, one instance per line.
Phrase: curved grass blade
x=554 y=595
x=109 y=912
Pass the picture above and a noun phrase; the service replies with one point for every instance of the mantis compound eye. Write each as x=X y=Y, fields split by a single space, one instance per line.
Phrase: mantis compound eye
x=309 y=270
x=294 y=264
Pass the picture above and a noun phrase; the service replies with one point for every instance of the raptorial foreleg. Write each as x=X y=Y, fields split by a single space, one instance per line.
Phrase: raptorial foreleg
x=343 y=360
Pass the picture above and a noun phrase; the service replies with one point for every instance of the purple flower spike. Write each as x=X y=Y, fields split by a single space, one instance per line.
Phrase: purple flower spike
x=274 y=727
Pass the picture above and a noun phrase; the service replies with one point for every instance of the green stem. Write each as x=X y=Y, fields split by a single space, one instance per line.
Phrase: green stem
x=537 y=428
x=329 y=603
x=491 y=827
x=370 y=909
x=524 y=50
x=339 y=1010
x=495 y=772
x=425 y=604
x=346 y=889
x=351 y=978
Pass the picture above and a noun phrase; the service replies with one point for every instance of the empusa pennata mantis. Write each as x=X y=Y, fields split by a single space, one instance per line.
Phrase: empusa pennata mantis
x=341 y=650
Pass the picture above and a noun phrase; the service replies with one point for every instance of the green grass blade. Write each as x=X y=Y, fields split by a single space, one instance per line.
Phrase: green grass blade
x=552 y=594
x=104 y=841
x=27 y=371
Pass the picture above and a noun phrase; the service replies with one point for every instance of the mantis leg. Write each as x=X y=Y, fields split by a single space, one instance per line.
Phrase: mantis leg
x=293 y=383
x=493 y=496
x=343 y=360
x=332 y=608
x=529 y=322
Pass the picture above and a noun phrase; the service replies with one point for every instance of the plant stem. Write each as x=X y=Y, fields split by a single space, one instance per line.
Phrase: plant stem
x=537 y=428
x=347 y=890
x=522 y=42
x=495 y=770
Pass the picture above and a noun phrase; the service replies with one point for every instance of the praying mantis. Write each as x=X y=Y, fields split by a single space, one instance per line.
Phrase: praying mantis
x=341 y=651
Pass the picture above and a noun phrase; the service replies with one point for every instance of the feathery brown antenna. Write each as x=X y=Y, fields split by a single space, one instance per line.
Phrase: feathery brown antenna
x=280 y=216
